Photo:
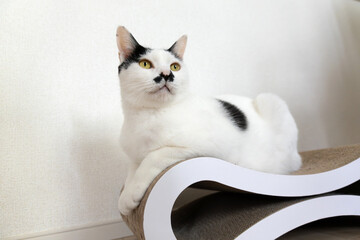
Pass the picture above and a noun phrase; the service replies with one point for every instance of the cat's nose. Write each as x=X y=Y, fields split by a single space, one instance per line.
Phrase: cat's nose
x=168 y=77
x=165 y=72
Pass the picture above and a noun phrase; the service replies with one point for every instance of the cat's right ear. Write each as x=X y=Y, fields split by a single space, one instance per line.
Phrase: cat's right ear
x=126 y=43
x=178 y=48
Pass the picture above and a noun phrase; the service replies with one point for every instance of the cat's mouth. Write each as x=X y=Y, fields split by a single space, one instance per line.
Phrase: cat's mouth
x=164 y=88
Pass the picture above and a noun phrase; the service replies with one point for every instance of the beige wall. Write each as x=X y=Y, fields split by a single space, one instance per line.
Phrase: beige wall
x=60 y=112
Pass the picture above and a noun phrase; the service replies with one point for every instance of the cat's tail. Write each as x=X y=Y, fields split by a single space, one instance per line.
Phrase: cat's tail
x=274 y=111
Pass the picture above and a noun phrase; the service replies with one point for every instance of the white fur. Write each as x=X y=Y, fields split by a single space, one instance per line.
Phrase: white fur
x=161 y=128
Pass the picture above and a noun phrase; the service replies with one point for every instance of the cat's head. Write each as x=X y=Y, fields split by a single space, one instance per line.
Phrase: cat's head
x=151 y=78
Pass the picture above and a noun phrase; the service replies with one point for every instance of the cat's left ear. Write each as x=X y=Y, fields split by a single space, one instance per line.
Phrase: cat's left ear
x=178 y=48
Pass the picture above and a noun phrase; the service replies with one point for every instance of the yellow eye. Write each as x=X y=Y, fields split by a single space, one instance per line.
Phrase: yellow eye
x=145 y=64
x=175 y=67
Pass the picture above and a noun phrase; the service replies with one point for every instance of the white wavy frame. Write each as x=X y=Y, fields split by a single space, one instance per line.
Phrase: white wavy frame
x=289 y=218
x=157 y=213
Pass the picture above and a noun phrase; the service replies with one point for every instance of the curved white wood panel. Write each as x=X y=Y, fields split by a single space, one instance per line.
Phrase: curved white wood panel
x=158 y=208
x=293 y=216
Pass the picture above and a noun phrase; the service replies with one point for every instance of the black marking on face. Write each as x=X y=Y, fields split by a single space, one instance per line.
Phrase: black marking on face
x=135 y=56
x=236 y=115
x=158 y=79
x=169 y=77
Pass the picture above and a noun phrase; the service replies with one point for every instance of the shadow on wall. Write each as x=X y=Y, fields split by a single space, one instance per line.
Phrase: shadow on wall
x=343 y=87
x=333 y=119
x=98 y=166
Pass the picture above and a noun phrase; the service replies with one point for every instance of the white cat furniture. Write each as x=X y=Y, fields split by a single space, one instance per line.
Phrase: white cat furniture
x=250 y=204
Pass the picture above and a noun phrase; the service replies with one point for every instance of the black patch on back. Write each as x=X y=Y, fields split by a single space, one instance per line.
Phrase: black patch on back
x=236 y=115
x=134 y=57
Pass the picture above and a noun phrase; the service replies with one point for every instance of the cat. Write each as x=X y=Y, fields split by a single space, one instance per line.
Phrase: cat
x=164 y=123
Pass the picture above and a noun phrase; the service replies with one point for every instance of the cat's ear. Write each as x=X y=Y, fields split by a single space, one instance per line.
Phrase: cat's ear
x=178 y=48
x=126 y=43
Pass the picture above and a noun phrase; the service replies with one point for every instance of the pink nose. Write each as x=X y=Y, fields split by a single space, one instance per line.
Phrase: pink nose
x=165 y=72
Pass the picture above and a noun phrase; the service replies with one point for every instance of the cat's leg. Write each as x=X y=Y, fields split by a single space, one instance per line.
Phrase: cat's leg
x=153 y=164
x=131 y=169
x=275 y=111
x=130 y=166
x=272 y=109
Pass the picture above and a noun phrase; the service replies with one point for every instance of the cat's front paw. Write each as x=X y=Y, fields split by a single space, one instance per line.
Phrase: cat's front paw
x=126 y=204
x=130 y=198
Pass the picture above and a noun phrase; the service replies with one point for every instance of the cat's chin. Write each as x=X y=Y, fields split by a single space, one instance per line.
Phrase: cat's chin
x=164 y=94
x=162 y=97
x=158 y=99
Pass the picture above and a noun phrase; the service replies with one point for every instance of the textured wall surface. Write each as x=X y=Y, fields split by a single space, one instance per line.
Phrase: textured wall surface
x=60 y=112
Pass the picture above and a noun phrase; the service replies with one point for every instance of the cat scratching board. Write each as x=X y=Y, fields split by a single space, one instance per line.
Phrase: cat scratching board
x=249 y=204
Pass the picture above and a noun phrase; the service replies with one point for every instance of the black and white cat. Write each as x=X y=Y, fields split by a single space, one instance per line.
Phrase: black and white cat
x=164 y=123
